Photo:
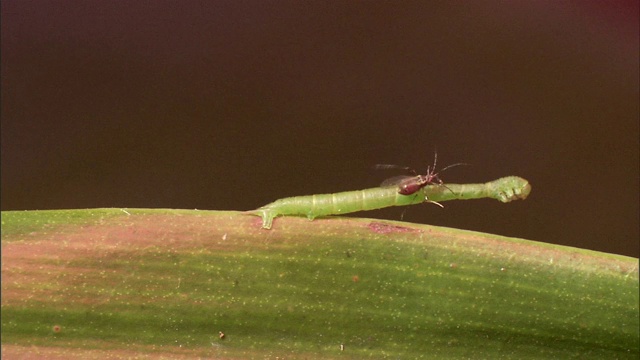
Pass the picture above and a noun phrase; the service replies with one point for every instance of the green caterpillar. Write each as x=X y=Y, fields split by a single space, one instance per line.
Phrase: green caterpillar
x=505 y=189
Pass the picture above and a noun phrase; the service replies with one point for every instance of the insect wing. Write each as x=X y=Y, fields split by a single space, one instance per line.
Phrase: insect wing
x=397 y=180
x=390 y=166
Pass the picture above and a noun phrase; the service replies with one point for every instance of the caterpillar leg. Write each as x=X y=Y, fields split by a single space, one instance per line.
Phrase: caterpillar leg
x=515 y=188
x=266 y=215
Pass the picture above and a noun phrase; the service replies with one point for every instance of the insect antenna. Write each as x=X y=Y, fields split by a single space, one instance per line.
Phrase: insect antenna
x=435 y=160
x=453 y=165
x=432 y=176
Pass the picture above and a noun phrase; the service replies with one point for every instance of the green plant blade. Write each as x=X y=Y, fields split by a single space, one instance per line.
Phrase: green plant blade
x=129 y=282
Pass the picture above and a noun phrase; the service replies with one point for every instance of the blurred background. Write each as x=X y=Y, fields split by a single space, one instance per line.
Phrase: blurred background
x=229 y=105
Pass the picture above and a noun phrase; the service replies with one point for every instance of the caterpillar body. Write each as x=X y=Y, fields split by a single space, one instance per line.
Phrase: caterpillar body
x=312 y=206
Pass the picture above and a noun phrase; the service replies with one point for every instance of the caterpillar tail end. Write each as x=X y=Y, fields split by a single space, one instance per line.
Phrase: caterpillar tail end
x=266 y=215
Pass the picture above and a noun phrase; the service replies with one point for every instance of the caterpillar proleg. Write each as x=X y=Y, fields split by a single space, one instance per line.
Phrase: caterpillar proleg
x=505 y=190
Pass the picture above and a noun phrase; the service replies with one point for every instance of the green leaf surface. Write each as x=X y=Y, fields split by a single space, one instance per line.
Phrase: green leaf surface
x=136 y=283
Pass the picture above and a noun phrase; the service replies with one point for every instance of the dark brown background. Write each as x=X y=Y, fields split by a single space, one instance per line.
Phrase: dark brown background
x=231 y=105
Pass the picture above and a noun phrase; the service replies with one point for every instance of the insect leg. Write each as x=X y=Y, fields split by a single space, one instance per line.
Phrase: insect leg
x=426 y=199
x=405 y=209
